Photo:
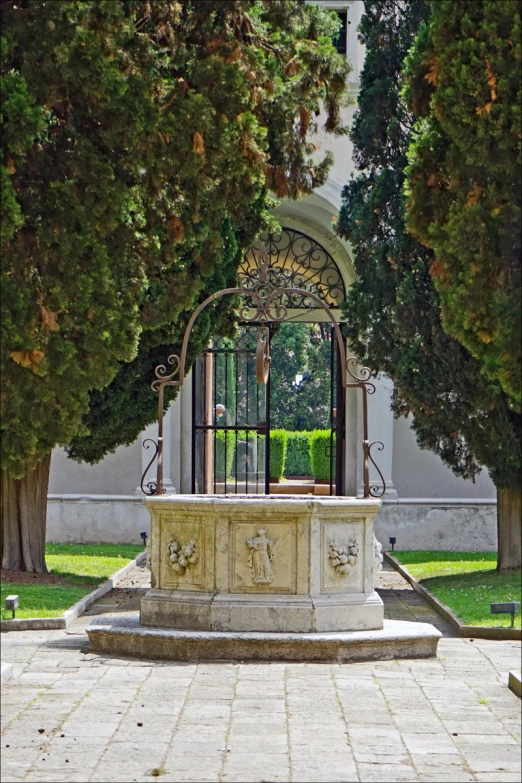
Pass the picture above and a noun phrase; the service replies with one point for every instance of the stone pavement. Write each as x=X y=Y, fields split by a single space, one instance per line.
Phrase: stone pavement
x=73 y=716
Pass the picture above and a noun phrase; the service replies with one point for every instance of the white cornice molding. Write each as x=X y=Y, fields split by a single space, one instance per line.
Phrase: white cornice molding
x=86 y=498
x=441 y=502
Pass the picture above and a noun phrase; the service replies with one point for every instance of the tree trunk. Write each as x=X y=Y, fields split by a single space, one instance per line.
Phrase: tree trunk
x=509 y=526
x=24 y=517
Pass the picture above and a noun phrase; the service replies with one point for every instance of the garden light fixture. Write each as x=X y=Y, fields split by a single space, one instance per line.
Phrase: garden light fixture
x=11 y=602
x=143 y=537
x=508 y=607
x=392 y=541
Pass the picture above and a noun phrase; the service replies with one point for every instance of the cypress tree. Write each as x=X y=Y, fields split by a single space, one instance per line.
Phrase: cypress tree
x=393 y=311
x=140 y=138
x=464 y=184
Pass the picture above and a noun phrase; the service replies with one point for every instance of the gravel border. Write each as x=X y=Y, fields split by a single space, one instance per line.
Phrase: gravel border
x=77 y=609
x=466 y=631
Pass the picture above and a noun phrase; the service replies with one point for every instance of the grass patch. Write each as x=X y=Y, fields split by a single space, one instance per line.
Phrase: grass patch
x=466 y=582
x=88 y=564
x=41 y=600
x=79 y=567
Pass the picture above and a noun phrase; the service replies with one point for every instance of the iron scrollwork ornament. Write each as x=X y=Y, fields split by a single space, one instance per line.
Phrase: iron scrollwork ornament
x=150 y=488
x=297 y=263
x=363 y=378
x=163 y=375
x=377 y=491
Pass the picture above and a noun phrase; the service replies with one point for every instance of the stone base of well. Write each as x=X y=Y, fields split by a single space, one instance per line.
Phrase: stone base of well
x=397 y=639
x=263 y=613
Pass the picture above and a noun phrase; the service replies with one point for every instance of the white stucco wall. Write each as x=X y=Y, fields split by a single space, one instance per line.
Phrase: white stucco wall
x=457 y=525
x=117 y=474
x=418 y=473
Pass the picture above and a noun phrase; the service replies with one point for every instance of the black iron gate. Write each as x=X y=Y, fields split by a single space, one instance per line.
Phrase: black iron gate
x=231 y=419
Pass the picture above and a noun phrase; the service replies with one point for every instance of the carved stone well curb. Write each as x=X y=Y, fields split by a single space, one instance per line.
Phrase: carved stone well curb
x=273 y=564
x=262 y=578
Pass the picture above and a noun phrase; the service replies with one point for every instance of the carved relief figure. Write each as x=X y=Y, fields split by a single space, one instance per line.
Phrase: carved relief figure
x=260 y=557
x=343 y=558
x=180 y=557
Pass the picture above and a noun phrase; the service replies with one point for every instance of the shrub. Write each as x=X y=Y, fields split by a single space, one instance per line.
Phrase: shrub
x=224 y=471
x=320 y=450
x=297 y=462
x=278 y=441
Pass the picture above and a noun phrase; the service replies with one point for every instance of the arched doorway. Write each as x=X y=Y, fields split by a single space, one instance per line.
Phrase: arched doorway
x=234 y=448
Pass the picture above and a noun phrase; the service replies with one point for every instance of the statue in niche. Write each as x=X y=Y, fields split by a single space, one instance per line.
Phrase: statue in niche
x=260 y=557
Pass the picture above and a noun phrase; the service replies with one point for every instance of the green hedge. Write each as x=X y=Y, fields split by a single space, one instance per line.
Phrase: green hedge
x=320 y=454
x=219 y=454
x=278 y=441
x=291 y=453
x=297 y=461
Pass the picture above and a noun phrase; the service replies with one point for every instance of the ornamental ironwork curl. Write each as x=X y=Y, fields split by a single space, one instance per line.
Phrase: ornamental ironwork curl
x=376 y=491
x=364 y=374
x=162 y=372
x=151 y=486
x=264 y=306
x=296 y=261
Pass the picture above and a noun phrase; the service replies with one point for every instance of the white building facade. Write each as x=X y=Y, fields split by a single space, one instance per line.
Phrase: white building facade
x=425 y=505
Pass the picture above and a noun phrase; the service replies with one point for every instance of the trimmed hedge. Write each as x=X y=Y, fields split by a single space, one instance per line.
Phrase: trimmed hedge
x=297 y=461
x=320 y=454
x=278 y=441
x=291 y=453
x=219 y=454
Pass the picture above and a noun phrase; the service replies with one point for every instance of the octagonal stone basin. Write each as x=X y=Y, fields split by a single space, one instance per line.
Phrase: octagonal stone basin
x=277 y=563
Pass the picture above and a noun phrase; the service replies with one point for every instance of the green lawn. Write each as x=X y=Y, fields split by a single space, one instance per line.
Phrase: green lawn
x=81 y=568
x=466 y=582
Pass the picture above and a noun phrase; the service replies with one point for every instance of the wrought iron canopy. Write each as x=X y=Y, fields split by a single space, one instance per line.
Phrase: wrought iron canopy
x=267 y=293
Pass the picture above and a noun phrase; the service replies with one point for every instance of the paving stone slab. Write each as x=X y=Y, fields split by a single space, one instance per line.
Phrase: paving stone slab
x=323 y=717
x=378 y=773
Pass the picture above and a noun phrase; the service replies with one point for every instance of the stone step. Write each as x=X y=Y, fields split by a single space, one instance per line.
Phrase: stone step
x=397 y=639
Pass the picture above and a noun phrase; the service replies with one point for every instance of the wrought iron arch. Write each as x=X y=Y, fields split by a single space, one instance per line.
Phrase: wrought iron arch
x=297 y=261
x=267 y=300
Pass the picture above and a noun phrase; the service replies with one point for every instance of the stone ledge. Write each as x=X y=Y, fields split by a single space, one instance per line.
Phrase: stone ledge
x=465 y=631
x=515 y=683
x=6 y=672
x=77 y=609
x=398 y=639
